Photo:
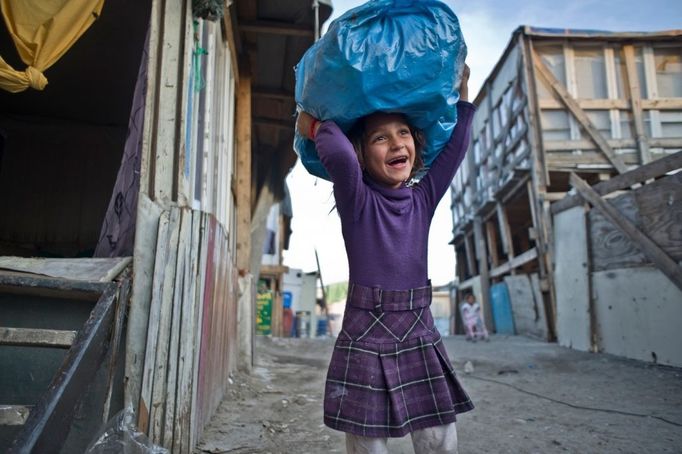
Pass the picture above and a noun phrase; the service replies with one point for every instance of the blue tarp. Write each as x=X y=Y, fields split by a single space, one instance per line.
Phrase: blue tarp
x=386 y=55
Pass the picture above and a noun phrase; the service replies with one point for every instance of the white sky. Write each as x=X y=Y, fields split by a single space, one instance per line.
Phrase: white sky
x=487 y=26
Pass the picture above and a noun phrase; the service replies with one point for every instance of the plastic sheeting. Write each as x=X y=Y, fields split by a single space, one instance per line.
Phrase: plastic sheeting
x=386 y=55
x=42 y=31
x=120 y=435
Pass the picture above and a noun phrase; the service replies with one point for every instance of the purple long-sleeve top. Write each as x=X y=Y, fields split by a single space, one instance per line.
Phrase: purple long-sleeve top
x=386 y=230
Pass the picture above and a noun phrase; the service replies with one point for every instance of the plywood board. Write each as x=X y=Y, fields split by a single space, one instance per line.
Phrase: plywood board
x=176 y=328
x=162 y=252
x=188 y=340
x=655 y=209
x=609 y=247
x=572 y=279
x=528 y=310
x=639 y=313
x=146 y=232
x=162 y=345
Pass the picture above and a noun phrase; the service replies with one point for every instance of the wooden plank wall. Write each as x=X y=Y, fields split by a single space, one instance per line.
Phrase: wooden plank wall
x=191 y=345
x=217 y=355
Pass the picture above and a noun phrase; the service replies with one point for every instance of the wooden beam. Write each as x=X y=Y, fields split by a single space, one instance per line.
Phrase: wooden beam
x=554 y=196
x=27 y=284
x=268 y=93
x=569 y=145
x=662 y=104
x=519 y=260
x=537 y=187
x=471 y=264
x=586 y=104
x=483 y=270
x=137 y=324
x=116 y=336
x=658 y=256
x=578 y=113
x=505 y=231
x=169 y=86
x=275 y=28
x=232 y=36
x=492 y=243
x=243 y=132
x=643 y=173
x=533 y=210
x=588 y=160
x=273 y=270
x=27 y=337
x=539 y=170
x=282 y=124
x=634 y=87
x=620 y=104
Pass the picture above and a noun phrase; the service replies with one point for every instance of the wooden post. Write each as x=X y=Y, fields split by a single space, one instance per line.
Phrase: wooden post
x=505 y=231
x=484 y=272
x=471 y=264
x=540 y=179
x=661 y=260
x=492 y=243
x=636 y=103
x=591 y=303
x=539 y=170
x=169 y=87
x=243 y=128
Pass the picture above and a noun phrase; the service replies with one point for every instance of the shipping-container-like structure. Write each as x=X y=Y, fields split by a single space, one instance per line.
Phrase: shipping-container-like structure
x=592 y=103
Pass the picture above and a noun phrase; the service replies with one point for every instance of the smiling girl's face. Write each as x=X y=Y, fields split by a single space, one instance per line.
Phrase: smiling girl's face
x=389 y=150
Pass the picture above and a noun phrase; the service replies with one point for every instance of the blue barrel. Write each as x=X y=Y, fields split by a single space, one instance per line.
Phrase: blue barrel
x=322 y=326
x=500 y=304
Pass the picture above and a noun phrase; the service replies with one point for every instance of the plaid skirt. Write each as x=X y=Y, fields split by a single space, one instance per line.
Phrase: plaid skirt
x=389 y=373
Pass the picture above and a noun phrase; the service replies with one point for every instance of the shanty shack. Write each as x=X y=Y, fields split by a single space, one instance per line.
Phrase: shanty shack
x=564 y=110
x=142 y=144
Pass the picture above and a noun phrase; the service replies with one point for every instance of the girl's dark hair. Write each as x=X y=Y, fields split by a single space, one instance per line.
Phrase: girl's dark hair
x=356 y=135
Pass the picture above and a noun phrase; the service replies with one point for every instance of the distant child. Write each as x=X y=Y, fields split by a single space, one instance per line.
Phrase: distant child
x=390 y=374
x=472 y=320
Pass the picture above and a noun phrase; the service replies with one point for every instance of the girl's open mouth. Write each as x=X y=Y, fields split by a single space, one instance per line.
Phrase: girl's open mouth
x=399 y=161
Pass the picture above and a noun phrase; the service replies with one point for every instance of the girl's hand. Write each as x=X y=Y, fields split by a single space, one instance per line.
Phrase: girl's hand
x=464 y=85
x=304 y=122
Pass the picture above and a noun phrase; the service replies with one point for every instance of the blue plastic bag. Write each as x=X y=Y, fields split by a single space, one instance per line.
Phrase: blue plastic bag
x=386 y=55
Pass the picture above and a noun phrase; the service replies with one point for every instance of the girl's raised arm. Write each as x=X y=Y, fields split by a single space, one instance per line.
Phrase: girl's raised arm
x=338 y=158
x=442 y=171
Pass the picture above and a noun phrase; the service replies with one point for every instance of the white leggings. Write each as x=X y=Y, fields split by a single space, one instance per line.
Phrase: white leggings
x=432 y=440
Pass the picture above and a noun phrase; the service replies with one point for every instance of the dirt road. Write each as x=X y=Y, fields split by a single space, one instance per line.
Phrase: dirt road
x=531 y=397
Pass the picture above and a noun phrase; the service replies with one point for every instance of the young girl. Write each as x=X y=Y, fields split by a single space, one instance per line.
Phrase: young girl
x=389 y=374
x=471 y=318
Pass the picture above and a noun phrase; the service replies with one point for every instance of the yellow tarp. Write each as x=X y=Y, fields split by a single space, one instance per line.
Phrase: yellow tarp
x=43 y=30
